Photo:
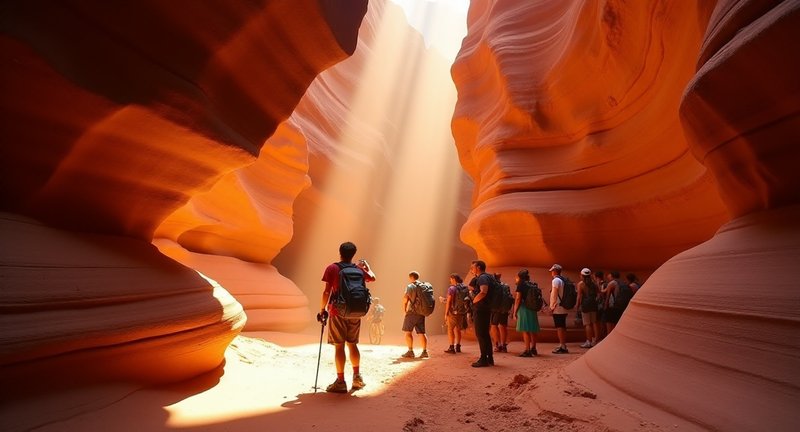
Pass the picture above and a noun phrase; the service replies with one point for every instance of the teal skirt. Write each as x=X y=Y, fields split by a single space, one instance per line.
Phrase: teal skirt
x=527 y=321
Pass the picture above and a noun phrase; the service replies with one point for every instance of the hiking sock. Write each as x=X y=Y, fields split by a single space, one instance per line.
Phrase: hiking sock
x=339 y=376
x=458 y=347
x=355 y=370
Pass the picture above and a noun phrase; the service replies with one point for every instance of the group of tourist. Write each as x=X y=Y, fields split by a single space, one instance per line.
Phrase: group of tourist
x=600 y=301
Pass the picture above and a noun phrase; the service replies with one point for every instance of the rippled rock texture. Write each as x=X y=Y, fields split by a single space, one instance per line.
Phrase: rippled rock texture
x=114 y=117
x=620 y=134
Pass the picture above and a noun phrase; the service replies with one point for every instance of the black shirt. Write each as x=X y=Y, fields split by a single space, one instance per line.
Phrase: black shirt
x=482 y=279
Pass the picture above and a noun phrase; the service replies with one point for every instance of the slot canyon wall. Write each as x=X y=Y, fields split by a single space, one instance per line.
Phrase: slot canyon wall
x=110 y=128
x=657 y=137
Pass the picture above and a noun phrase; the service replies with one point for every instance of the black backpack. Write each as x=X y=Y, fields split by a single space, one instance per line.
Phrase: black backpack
x=495 y=294
x=533 y=298
x=570 y=296
x=462 y=302
x=423 y=301
x=507 y=299
x=623 y=295
x=353 y=299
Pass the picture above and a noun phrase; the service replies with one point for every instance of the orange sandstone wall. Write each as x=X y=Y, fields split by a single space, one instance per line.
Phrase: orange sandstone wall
x=730 y=356
x=567 y=121
x=114 y=116
x=651 y=136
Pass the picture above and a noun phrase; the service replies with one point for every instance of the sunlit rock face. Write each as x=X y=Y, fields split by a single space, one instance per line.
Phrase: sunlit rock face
x=113 y=117
x=567 y=120
x=728 y=359
x=382 y=163
x=82 y=308
x=579 y=156
x=233 y=231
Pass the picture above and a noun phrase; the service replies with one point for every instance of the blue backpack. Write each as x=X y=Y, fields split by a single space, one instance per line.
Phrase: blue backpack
x=353 y=299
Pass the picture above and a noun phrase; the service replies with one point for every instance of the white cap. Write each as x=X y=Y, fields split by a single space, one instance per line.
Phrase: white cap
x=555 y=267
x=586 y=272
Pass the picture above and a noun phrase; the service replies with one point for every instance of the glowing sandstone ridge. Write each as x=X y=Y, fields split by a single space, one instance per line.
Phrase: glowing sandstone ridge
x=109 y=128
x=617 y=135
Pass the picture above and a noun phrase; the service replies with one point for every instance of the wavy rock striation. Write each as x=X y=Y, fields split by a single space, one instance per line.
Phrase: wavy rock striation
x=570 y=129
x=619 y=135
x=622 y=134
x=110 y=126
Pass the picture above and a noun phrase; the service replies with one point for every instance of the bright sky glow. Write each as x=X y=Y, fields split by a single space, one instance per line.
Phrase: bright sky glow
x=443 y=23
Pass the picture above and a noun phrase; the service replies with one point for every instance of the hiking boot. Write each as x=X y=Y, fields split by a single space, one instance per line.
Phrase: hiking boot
x=450 y=350
x=458 y=348
x=481 y=363
x=586 y=344
x=533 y=352
x=526 y=354
x=408 y=354
x=423 y=354
x=358 y=382
x=561 y=350
x=337 y=387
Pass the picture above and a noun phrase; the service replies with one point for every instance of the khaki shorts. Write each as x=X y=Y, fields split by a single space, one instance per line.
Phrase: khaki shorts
x=589 y=317
x=341 y=330
x=454 y=321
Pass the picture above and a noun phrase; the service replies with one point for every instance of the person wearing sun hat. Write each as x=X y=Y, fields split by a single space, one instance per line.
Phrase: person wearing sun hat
x=587 y=301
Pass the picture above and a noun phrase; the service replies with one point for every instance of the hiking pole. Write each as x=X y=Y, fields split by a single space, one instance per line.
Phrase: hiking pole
x=324 y=320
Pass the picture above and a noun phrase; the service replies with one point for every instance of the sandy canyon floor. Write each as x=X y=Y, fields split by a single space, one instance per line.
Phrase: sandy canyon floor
x=267 y=384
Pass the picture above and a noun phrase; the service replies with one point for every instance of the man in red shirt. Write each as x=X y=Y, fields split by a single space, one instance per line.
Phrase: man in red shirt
x=343 y=330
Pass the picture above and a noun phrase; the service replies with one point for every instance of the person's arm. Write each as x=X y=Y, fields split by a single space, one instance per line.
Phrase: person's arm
x=369 y=274
x=406 y=299
x=581 y=289
x=610 y=291
x=484 y=292
x=326 y=294
x=517 y=301
x=448 y=303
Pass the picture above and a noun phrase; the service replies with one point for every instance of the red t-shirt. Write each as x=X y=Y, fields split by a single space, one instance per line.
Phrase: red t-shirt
x=331 y=277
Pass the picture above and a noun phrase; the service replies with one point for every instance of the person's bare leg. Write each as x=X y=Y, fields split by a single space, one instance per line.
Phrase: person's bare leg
x=526 y=337
x=355 y=356
x=562 y=336
x=339 y=358
x=424 y=340
x=409 y=341
x=451 y=334
x=503 y=335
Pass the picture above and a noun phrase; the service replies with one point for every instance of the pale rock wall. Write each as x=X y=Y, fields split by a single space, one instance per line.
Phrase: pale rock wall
x=651 y=135
x=113 y=117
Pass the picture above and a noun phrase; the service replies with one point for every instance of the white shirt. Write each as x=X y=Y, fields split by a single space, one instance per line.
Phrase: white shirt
x=556 y=291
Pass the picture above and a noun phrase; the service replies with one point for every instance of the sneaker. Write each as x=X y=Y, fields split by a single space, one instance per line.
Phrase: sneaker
x=358 y=382
x=480 y=363
x=504 y=348
x=526 y=354
x=458 y=348
x=423 y=354
x=337 y=387
x=586 y=344
x=408 y=354
x=533 y=352
x=450 y=350
x=561 y=350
